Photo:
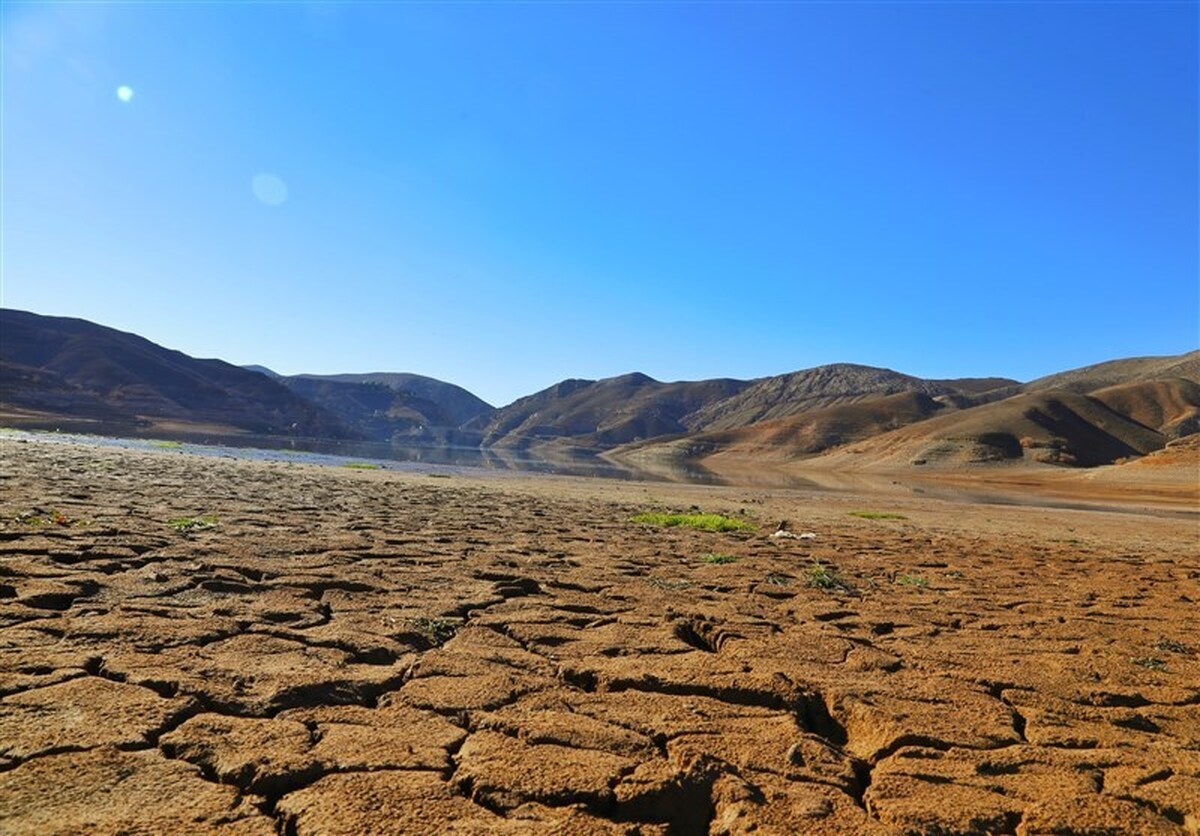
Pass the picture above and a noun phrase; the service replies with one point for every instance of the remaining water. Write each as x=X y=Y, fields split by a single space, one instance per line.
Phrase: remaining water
x=573 y=462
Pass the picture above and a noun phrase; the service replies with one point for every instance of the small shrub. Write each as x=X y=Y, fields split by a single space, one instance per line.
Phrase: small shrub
x=820 y=576
x=718 y=559
x=701 y=522
x=437 y=631
x=1150 y=663
x=43 y=518
x=1172 y=646
x=912 y=580
x=668 y=583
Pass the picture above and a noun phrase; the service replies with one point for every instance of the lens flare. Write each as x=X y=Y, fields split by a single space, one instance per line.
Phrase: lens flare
x=269 y=189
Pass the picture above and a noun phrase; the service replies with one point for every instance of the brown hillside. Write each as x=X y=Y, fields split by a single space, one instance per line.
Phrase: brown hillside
x=794 y=437
x=1115 y=372
x=602 y=413
x=1170 y=406
x=76 y=369
x=1046 y=428
x=824 y=386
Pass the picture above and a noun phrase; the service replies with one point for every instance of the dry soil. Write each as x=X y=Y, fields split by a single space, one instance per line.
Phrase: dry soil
x=342 y=651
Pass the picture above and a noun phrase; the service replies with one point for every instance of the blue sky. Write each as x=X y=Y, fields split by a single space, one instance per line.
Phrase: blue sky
x=505 y=195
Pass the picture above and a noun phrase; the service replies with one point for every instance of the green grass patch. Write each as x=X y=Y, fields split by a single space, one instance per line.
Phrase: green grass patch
x=39 y=519
x=820 y=576
x=437 y=631
x=167 y=445
x=200 y=523
x=363 y=466
x=718 y=559
x=701 y=522
x=877 y=515
x=912 y=580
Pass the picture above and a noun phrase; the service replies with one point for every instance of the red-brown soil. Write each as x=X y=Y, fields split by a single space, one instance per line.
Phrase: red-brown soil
x=354 y=652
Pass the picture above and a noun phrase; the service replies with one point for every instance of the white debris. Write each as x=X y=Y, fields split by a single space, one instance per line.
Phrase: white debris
x=784 y=534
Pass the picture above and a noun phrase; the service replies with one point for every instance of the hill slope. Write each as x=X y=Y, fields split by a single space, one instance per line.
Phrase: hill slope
x=823 y=386
x=66 y=368
x=786 y=439
x=1054 y=427
x=606 y=413
x=454 y=405
x=1115 y=372
x=602 y=413
x=381 y=412
x=1125 y=409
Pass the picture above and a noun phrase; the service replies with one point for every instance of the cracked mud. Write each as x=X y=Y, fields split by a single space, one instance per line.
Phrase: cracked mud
x=351 y=652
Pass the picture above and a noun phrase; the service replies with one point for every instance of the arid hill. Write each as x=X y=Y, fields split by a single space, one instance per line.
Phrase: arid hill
x=823 y=386
x=600 y=414
x=841 y=416
x=393 y=407
x=1054 y=427
x=1092 y=416
x=791 y=438
x=606 y=413
x=1115 y=372
x=455 y=405
x=66 y=370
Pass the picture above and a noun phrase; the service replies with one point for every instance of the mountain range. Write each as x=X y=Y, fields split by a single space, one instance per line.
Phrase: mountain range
x=75 y=374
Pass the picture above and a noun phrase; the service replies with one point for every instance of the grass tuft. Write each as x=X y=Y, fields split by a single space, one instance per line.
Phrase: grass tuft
x=669 y=583
x=41 y=518
x=701 y=522
x=912 y=580
x=362 y=466
x=718 y=559
x=200 y=523
x=1150 y=663
x=820 y=576
x=437 y=631
x=877 y=515
x=166 y=445
x=1172 y=646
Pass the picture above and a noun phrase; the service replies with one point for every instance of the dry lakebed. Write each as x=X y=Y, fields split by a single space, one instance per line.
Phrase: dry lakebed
x=203 y=645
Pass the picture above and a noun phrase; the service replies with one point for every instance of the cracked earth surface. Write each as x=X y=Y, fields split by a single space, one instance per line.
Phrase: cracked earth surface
x=351 y=652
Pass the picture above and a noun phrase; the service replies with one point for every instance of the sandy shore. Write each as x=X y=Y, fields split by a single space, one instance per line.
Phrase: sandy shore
x=339 y=651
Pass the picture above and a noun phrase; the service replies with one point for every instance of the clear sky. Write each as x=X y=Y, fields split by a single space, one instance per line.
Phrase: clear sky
x=503 y=195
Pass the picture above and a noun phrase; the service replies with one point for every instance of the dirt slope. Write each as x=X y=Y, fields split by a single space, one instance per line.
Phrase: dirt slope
x=120 y=374
x=1115 y=372
x=455 y=406
x=1170 y=406
x=791 y=438
x=840 y=383
x=1049 y=428
x=976 y=426
x=603 y=413
x=379 y=412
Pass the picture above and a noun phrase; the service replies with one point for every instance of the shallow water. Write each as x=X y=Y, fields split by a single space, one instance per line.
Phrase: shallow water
x=579 y=462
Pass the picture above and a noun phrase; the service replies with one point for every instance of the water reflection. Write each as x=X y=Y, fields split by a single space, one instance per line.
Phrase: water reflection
x=562 y=461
